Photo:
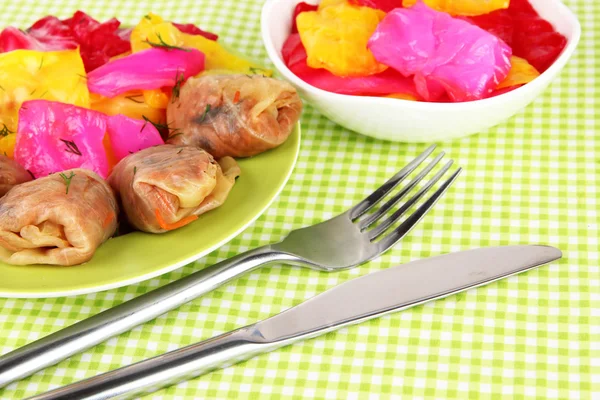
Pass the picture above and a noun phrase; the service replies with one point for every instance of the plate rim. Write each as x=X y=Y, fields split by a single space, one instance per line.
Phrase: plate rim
x=170 y=267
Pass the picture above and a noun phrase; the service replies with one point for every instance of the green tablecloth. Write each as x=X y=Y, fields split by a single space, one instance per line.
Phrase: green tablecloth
x=533 y=179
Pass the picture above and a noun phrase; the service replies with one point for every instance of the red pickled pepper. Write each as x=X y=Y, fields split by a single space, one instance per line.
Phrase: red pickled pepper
x=535 y=39
x=98 y=42
x=293 y=52
x=192 y=29
x=12 y=38
x=499 y=23
x=383 y=5
x=530 y=36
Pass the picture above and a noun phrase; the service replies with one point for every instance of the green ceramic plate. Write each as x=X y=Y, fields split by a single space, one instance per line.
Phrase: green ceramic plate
x=139 y=256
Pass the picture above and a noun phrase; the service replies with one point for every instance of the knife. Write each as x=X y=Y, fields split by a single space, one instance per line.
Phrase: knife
x=352 y=302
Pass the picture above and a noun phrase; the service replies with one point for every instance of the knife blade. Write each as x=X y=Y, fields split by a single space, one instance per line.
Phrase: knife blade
x=405 y=286
x=352 y=302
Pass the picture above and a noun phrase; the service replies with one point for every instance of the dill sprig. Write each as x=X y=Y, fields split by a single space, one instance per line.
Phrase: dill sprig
x=257 y=71
x=203 y=117
x=164 y=45
x=132 y=98
x=5 y=131
x=71 y=147
x=134 y=170
x=171 y=132
x=67 y=179
x=156 y=124
x=179 y=78
x=41 y=63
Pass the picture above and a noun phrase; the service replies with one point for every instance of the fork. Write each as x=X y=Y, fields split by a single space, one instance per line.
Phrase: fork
x=345 y=241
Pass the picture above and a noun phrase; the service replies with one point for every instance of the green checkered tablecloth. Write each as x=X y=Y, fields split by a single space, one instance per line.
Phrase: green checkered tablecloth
x=533 y=179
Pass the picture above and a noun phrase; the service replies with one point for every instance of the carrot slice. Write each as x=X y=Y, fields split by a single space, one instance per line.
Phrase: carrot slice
x=169 y=227
x=108 y=220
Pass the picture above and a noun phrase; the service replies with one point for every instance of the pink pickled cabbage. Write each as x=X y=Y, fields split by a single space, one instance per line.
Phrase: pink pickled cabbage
x=381 y=84
x=54 y=137
x=148 y=69
x=12 y=38
x=129 y=135
x=443 y=53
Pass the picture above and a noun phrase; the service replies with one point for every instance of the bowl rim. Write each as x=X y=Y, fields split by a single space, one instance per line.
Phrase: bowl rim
x=554 y=69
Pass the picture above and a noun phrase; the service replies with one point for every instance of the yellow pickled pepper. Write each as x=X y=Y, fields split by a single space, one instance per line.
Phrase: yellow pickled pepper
x=463 y=7
x=336 y=36
x=132 y=104
x=520 y=73
x=28 y=75
x=327 y=3
x=403 y=96
x=154 y=29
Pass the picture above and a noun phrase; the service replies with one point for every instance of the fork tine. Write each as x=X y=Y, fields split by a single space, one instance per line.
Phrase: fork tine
x=387 y=187
x=401 y=231
x=382 y=227
x=364 y=224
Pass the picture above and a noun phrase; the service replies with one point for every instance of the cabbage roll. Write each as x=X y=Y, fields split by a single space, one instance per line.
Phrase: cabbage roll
x=233 y=115
x=59 y=219
x=11 y=174
x=166 y=187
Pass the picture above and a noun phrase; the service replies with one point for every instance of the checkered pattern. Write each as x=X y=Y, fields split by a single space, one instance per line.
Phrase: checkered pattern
x=533 y=179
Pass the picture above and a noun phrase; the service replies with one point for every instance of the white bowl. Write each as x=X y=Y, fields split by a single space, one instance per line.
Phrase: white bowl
x=410 y=121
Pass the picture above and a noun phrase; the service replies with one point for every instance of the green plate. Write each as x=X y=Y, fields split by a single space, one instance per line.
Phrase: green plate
x=139 y=256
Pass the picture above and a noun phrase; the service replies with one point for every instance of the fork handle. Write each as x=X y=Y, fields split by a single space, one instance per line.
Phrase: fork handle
x=84 y=334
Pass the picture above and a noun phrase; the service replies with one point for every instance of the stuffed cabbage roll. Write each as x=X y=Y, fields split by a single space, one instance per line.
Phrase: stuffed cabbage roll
x=60 y=219
x=166 y=187
x=234 y=115
x=11 y=174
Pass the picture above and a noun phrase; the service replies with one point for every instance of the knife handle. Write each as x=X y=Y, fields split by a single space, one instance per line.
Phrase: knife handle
x=84 y=334
x=166 y=369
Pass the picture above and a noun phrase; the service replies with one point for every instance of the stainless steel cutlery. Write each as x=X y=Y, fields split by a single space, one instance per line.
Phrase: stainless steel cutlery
x=354 y=237
x=352 y=302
